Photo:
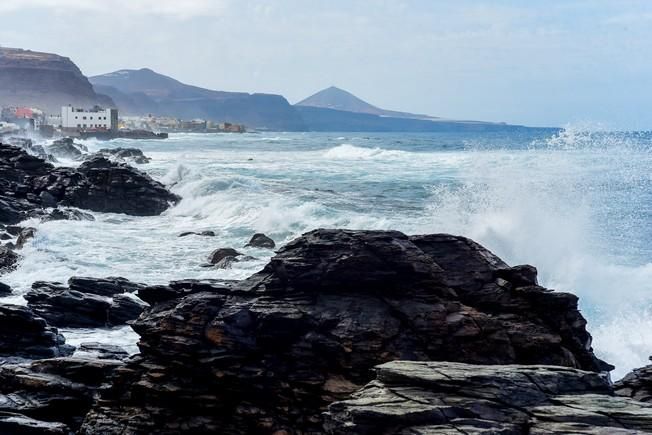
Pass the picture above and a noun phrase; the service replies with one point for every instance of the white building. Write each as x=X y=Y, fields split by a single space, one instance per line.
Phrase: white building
x=93 y=119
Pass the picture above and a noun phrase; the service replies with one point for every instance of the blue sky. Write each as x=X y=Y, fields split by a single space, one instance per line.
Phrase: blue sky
x=528 y=62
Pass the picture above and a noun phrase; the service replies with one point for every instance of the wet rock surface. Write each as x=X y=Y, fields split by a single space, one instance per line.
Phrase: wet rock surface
x=207 y=233
x=57 y=390
x=125 y=155
x=18 y=424
x=101 y=185
x=24 y=236
x=65 y=214
x=66 y=148
x=102 y=351
x=260 y=240
x=29 y=184
x=410 y=397
x=8 y=260
x=86 y=302
x=636 y=384
x=220 y=254
x=24 y=334
x=270 y=353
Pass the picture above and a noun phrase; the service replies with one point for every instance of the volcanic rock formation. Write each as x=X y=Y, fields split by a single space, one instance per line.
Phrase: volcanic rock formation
x=270 y=353
x=29 y=184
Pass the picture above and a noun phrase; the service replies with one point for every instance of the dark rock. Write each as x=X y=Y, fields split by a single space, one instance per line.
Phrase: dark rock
x=271 y=352
x=178 y=289
x=4 y=289
x=5 y=236
x=103 y=351
x=47 y=199
x=118 y=188
x=68 y=214
x=8 y=260
x=226 y=262
x=219 y=254
x=636 y=384
x=12 y=423
x=55 y=390
x=24 y=236
x=86 y=303
x=14 y=230
x=203 y=233
x=24 y=334
x=133 y=155
x=260 y=240
x=64 y=307
x=14 y=210
x=28 y=184
x=125 y=308
x=451 y=398
x=103 y=287
x=66 y=148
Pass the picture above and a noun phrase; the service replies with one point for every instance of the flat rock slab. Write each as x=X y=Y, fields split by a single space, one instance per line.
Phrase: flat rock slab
x=410 y=397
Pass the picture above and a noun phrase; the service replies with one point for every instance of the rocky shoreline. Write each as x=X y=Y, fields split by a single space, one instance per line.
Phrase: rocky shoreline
x=342 y=332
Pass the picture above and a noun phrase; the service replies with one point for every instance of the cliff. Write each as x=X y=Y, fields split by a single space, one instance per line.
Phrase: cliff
x=43 y=80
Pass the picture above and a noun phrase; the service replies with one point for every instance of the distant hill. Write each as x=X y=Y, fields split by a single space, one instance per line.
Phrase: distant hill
x=143 y=91
x=44 y=80
x=339 y=99
x=320 y=119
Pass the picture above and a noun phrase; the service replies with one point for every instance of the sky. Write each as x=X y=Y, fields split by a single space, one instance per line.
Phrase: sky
x=531 y=62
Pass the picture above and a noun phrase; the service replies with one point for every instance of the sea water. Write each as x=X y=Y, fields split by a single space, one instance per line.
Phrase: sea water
x=576 y=203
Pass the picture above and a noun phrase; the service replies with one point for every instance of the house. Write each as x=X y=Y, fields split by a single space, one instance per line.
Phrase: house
x=95 y=119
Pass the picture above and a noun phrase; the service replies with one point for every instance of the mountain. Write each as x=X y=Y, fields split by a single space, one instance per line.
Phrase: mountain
x=338 y=99
x=44 y=80
x=143 y=91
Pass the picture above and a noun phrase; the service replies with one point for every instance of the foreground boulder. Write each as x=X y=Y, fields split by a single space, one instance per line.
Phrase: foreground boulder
x=29 y=184
x=86 y=302
x=271 y=352
x=24 y=334
x=411 y=397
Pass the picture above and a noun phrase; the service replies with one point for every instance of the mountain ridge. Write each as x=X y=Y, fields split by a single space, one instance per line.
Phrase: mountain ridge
x=144 y=91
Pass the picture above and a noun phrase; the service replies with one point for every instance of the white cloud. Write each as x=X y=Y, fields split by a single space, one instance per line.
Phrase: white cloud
x=172 y=8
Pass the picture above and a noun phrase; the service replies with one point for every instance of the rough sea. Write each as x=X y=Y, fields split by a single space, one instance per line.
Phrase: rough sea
x=575 y=203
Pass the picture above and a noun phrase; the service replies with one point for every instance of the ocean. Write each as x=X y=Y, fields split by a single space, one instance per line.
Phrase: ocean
x=576 y=203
